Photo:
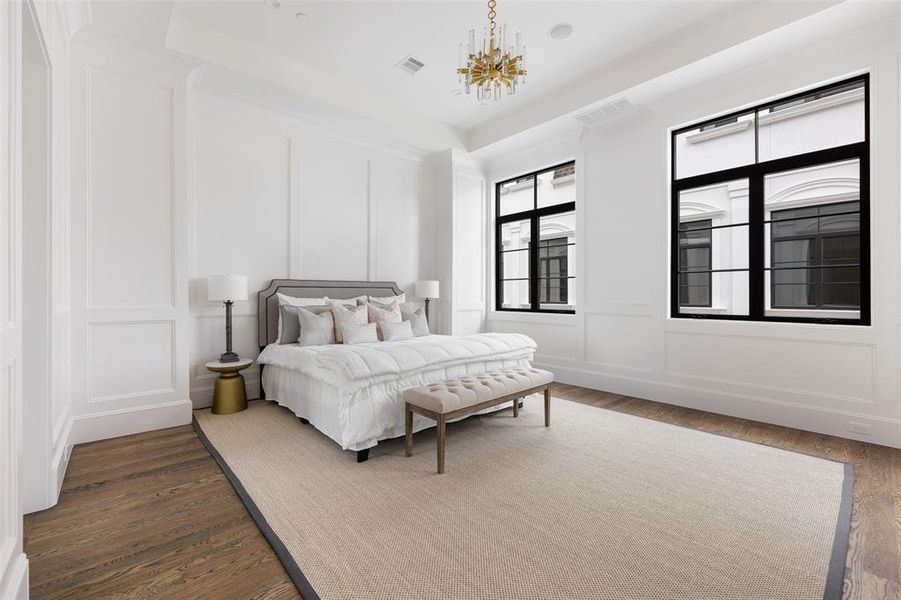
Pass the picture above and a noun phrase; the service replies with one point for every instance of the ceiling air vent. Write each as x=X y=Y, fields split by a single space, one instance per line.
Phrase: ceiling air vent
x=604 y=112
x=410 y=65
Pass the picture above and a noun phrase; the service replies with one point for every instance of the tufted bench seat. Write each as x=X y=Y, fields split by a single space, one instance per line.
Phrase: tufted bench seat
x=460 y=397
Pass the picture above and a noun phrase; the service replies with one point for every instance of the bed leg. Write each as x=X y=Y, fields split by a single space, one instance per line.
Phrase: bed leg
x=362 y=455
x=304 y=421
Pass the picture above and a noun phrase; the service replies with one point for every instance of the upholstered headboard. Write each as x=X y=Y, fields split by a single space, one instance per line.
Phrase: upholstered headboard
x=267 y=301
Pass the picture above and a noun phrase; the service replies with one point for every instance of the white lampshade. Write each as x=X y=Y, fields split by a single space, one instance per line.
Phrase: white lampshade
x=227 y=287
x=426 y=289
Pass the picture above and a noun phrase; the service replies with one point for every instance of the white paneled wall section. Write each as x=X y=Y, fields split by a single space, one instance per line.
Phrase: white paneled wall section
x=273 y=196
x=129 y=256
x=841 y=380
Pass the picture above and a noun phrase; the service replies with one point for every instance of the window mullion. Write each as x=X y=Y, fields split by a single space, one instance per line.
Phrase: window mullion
x=533 y=259
x=756 y=253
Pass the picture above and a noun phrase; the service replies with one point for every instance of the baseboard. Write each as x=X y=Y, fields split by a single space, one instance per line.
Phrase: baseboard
x=61 y=458
x=116 y=423
x=885 y=431
x=15 y=585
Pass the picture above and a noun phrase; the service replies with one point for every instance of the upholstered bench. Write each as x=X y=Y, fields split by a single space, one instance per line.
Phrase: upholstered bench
x=460 y=397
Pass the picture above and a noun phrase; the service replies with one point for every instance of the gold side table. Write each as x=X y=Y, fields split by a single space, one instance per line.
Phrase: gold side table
x=230 y=395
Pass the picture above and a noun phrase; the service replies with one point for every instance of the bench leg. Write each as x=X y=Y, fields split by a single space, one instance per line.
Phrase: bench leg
x=409 y=431
x=547 y=406
x=516 y=407
x=440 y=428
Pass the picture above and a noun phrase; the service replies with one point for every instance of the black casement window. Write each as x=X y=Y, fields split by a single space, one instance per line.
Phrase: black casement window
x=770 y=211
x=536 y=241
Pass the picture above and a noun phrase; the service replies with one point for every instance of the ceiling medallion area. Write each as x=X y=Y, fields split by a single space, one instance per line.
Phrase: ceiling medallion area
x=492 y=67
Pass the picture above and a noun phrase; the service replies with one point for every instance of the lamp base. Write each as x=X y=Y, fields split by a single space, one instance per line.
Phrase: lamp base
x=228 y=357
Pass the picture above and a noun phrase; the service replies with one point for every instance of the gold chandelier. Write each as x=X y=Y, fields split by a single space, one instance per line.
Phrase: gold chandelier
x=493 y=66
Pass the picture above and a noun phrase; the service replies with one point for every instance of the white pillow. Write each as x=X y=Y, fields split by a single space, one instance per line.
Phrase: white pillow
x=316 y=328
x=359 y=334
x=284 y=300
x=393 y=332
x=292 y=301
x=389 y=299
x=417 y=319
x=347 y=301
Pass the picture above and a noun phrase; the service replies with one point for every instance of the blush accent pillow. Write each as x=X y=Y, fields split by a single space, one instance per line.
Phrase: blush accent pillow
x=347 y=315
x=359 y=334
x=380 y=313
x=400 y=299
x=394 y=332
x=416 y=316
x=317 y=327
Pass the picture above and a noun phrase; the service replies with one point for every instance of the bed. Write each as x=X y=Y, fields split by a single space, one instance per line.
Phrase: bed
x=353 y=393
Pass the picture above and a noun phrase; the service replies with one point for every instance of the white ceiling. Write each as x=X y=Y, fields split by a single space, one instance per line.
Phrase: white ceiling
x=362 y=41
x=339 y=61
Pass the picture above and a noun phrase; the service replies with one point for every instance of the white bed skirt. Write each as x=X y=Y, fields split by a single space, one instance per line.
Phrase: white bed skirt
x=358 y=420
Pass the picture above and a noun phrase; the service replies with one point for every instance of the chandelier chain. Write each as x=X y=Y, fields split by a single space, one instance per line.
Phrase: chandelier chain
x=492 y=14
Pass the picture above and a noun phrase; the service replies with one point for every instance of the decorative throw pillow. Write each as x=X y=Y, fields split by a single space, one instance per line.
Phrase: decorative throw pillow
x=316 y=327
x=393 y=332
x=288 y=325
x=359 y=334
x=378 y=314
x=400 y=299
x=284 y=300
x=347 y=315
x=416 y=316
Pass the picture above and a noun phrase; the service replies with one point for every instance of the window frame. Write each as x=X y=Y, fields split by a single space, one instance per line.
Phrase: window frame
x=534 y=217
x=755 y=174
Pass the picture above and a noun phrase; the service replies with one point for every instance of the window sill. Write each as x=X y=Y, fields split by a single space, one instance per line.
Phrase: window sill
x=523 y=316
x=705 y=310
x=850 y=315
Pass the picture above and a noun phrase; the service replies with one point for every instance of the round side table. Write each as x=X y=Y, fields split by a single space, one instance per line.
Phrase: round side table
x=230 y=395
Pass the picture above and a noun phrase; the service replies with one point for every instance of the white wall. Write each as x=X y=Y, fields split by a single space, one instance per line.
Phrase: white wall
x=41 y=451
x=274 y=197
x=129 y=253
x=841 y=380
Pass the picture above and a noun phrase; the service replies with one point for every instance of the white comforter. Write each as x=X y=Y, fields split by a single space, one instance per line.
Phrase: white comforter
x=354 y=394
x=363 y=364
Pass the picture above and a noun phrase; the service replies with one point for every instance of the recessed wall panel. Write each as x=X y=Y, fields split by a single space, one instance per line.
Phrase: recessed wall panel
x=130 y=191
x=242 y=202
x=831 y=371
x=129 y=359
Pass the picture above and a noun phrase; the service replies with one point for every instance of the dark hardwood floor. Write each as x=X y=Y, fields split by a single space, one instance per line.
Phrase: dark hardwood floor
x=152 y=516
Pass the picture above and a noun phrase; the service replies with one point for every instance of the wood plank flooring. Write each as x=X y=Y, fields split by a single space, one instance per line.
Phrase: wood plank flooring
x=152 y=516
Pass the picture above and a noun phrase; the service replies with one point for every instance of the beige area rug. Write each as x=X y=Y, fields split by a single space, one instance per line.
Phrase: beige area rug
x=601 y=505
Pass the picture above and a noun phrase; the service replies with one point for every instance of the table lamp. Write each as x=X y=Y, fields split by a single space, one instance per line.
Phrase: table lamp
x=426 y=289
x=227 y=289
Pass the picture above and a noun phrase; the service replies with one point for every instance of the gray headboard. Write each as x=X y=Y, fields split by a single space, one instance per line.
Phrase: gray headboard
x=267 y=301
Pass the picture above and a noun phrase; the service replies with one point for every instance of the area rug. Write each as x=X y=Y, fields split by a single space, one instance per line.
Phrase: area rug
x=601 y=505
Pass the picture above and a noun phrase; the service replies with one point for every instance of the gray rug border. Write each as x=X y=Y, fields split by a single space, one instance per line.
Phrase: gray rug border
x=297 y=577
x=835 y=574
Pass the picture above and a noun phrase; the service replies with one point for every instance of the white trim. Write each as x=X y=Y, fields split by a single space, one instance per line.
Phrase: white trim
x=16 y=587
x=884 y=430
x=814 y=106
x=532 y=317
x=127 y=421
x=709 y=134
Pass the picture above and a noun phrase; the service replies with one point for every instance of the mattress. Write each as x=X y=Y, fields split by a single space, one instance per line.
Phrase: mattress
x=354 y=394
